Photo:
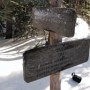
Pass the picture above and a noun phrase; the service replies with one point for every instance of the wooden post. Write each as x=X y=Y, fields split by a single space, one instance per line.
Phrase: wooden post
x=55 y=81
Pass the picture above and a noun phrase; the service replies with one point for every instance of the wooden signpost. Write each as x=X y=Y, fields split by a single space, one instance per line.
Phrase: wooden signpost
x=59 y=22
x=51 y=59
x=44 y=61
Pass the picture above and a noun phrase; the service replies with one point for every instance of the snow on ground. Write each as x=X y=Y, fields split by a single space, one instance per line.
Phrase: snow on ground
x=82 y=30
x=11 y=65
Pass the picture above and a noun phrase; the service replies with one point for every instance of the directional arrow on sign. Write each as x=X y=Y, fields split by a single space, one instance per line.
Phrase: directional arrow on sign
x=44 y=61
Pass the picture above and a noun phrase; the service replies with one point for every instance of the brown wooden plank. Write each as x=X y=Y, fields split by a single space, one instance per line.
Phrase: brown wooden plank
x=59 y=20
x=44 y=61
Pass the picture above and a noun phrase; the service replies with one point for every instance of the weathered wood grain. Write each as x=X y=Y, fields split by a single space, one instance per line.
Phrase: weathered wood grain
x=44 y=61
x=59 y=20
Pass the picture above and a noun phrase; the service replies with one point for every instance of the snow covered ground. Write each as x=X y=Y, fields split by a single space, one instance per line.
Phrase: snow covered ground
x=11 y=65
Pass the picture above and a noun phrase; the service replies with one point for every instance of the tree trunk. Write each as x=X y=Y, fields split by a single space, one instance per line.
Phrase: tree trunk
x=9 y=29
x=59 y=3
x=1 y=4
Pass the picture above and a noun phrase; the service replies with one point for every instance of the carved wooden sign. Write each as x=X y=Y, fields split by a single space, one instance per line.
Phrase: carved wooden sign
x=44 y=61
x=59 y=20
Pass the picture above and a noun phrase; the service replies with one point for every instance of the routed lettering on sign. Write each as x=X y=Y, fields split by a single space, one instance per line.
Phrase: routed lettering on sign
x=59 y=20
x=44 y=61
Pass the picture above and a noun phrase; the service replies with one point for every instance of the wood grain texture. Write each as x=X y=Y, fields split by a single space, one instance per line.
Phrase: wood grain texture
x=59 y=20
x=55 y=81
x=44 y=61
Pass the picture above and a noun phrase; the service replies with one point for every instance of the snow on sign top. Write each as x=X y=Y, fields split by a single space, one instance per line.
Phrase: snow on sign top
x=44 y=61
x=59 y=20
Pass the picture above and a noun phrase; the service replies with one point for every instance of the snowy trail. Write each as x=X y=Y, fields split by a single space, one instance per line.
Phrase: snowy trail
x=11 y=65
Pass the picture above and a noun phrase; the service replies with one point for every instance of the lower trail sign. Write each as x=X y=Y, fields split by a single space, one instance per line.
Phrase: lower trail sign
x=44 y=61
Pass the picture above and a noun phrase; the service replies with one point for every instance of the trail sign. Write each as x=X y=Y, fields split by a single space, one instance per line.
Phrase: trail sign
x=59 y=20
x=44 y=61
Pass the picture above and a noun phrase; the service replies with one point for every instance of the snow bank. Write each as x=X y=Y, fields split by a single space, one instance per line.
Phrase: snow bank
x=82 y=30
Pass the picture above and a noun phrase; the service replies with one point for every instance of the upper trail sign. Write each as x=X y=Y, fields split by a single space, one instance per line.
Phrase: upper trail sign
x=59 y=20
x=44 y=61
